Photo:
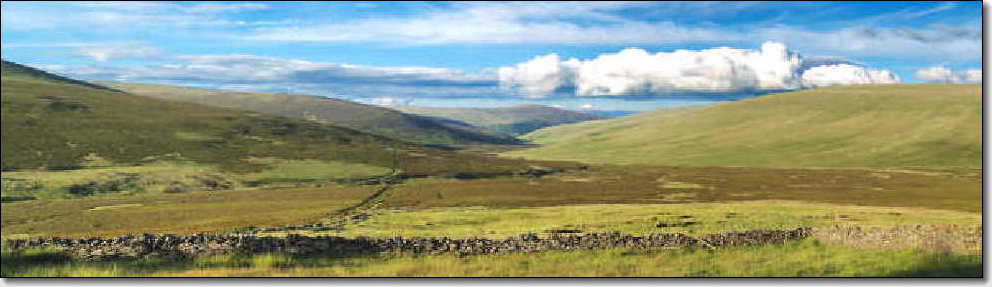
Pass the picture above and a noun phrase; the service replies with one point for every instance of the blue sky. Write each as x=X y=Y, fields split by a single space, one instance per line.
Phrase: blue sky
x=442 y=53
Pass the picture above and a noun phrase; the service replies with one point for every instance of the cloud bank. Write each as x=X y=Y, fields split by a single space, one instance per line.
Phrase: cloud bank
x=250 y=72
x=845 y=74
x=629 y=72
x=940 y=74
x=608 y=22
x=636 y=72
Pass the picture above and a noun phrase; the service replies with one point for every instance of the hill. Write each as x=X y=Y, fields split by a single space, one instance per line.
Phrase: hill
x=871 y=126
x=373 y=119
x=513 y=121
x=25 y=73
x=57 y=123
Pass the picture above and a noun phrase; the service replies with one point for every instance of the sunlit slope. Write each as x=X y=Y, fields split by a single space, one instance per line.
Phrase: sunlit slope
x=874 y=126
x=514 y=121
x=57 y=123
x=373 y=119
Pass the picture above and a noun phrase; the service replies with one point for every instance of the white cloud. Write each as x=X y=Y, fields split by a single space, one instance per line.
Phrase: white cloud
x=845 y=74
x=588 y=107
x=940 y=74
x=223 y=7
x=490 y=22
x=878 y=36
x=945 y=42
x=124 y=15
x=291 y=75
x=227 y=69
x=540 y=76
x=637 y=72
x=164 y=7
x=630 y=72
x=972 y=76
x=599 y=23
x=103 y=53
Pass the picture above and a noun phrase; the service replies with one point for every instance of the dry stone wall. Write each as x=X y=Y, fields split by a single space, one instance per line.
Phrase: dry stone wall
x=209 y=244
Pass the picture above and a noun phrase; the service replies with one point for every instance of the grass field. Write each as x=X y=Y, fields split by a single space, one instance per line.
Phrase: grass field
x=597 y=199
x=295 y=171
x=156 y=177
x=177 y=177
x=800 y=259
x=871 y=126
x=642 y=219
x=952 y=190
x=214 y=211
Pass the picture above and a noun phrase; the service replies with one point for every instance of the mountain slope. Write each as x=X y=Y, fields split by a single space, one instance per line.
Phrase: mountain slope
x=377 y=120
x=874 y=126
x=57 y=123
x=513 y=121
x=25 y=73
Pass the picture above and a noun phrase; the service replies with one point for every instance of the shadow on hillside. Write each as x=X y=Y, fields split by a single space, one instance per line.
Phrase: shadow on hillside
x=968 y=266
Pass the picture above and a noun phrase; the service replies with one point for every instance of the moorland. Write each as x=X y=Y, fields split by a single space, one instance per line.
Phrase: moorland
x=888 y=177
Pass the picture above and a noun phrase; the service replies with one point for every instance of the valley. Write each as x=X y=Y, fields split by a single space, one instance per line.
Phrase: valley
x=858 y=166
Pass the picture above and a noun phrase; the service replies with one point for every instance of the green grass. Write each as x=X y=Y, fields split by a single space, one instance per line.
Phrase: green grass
x=513 y=121
x=177 y=177
x=154 y=177
x=806 y=258
x=378 y=120
x=707 y=218
x=642 y=192
x=209 y=211
x=871 y=126
x=310 y=170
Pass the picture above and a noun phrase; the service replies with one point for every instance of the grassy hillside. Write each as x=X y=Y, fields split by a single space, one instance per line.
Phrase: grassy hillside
x=514 y=121
x=377 y=120
x=54 y=123
x=873 y=126
x=25 y=73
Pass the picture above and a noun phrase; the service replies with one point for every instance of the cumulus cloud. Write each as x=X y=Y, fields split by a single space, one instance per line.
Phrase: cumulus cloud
x=845 y=74
x=940 y=74
x=630 y=72
x=541 y=76
x=635 y=71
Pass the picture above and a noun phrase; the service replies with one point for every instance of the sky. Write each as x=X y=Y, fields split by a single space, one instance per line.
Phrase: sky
x=578 y=55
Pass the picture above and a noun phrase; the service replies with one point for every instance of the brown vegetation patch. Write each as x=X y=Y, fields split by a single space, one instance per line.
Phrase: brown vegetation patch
x=639 y=184
x=176 y=213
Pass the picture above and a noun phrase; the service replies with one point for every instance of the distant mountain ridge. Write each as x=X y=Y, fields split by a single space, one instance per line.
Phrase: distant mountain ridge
x=517 y=120
x=53 y=122
x=373 y=119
